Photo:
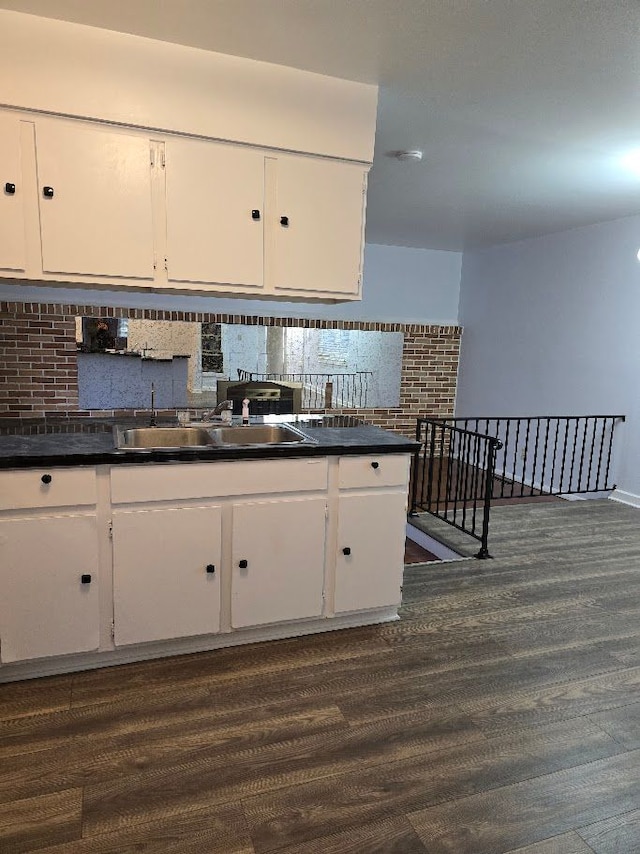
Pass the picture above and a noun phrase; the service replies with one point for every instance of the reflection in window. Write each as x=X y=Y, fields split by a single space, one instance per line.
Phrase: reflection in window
x=337 y=368
x=333 y=346
x=212 y=356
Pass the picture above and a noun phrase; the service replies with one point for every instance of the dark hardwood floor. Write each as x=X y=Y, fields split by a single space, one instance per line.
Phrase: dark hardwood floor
x=413 y=553
x=500 y=714
x=456 y=485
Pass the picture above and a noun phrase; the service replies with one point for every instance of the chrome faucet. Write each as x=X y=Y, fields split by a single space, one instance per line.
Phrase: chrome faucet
x=225 y=404
x=219 y=409
x=152 y=417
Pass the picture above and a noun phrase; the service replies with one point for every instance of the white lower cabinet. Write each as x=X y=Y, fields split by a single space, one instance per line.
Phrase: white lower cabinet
x=370 y=556
x=372 y=516
x=201 y=555
x=49 y=599
x=166 y=573
x=277 y=560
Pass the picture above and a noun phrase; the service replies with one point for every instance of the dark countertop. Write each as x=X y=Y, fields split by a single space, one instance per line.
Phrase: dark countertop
x=91 y=442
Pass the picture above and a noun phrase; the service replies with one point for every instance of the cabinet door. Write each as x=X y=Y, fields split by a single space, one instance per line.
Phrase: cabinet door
x=213 y=234
x=12 y=237
x=98 y=220
x=320 y=246
x=371 y=529
x=166 y=573
x=278 y=561
x=45 y=608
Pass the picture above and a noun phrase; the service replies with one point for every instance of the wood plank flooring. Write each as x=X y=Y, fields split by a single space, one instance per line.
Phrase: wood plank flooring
x=413 y=553
x=455 y=484
x=500 y=714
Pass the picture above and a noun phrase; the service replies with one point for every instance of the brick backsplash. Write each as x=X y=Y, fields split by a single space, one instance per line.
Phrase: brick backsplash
x=38 y=372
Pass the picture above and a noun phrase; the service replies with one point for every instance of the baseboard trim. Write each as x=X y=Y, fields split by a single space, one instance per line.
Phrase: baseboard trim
x=36 y=668
x=625 y=497
x=566 y=496
x=585 y=496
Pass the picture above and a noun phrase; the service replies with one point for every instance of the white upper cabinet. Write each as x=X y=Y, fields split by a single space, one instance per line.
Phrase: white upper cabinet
x=94 y=189
x=215 y=213
x=98 y=99
x=100 y=205
x=319 y=227
x=12 y=224
x=277 y=224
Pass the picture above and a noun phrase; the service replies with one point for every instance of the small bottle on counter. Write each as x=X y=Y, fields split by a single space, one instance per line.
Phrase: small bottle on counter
x=245 y=411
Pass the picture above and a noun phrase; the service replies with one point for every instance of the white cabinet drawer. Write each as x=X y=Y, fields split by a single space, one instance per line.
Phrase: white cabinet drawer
x=373 y=470
x=216 y=479
x=54 y=487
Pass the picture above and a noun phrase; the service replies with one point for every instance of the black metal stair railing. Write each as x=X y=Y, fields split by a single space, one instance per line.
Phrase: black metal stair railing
x=322 y=391
x=549 y=454
x=465 y=464
x=452 y=477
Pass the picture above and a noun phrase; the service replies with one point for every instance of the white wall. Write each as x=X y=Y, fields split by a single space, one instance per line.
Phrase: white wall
x=551 y=327
x=400 y=285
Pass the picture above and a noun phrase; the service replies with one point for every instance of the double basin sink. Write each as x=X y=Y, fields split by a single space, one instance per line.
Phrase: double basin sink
x=196 y=436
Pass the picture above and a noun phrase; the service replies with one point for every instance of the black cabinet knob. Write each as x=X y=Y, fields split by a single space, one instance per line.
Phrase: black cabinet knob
x=375 y=465
x=346 y=551
x=85 y=579
x=255 y=214
x=211 y=568
x=284 y=220
x=9 y=189
x=243 y=564
x=46 y=478
x=47 y=192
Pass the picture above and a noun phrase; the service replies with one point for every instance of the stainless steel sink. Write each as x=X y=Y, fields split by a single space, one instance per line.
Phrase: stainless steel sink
x=258 y=434
x=164 y=437
x=145 y=438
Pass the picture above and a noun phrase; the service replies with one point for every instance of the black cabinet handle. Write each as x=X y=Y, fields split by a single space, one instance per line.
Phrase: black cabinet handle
x=85 y=579
x=46 y=478
x=375 y=465
x=211 y=568
x=243 y=564
x=9 y=188
x=47 y=192
x=346 y=551
x=255 y=214
x=284 y=220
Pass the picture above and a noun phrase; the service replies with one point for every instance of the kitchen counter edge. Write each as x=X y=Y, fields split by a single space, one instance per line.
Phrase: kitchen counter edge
x=327 y=442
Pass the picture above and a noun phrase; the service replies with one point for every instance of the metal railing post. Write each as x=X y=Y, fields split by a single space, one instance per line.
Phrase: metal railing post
x=493 y=447
x=416 y=468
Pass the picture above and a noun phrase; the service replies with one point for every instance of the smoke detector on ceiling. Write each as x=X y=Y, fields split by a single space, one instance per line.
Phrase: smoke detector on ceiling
x=408 y=156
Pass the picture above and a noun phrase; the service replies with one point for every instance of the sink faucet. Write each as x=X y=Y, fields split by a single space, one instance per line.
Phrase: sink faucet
x=152 y=417
x=224 y=405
